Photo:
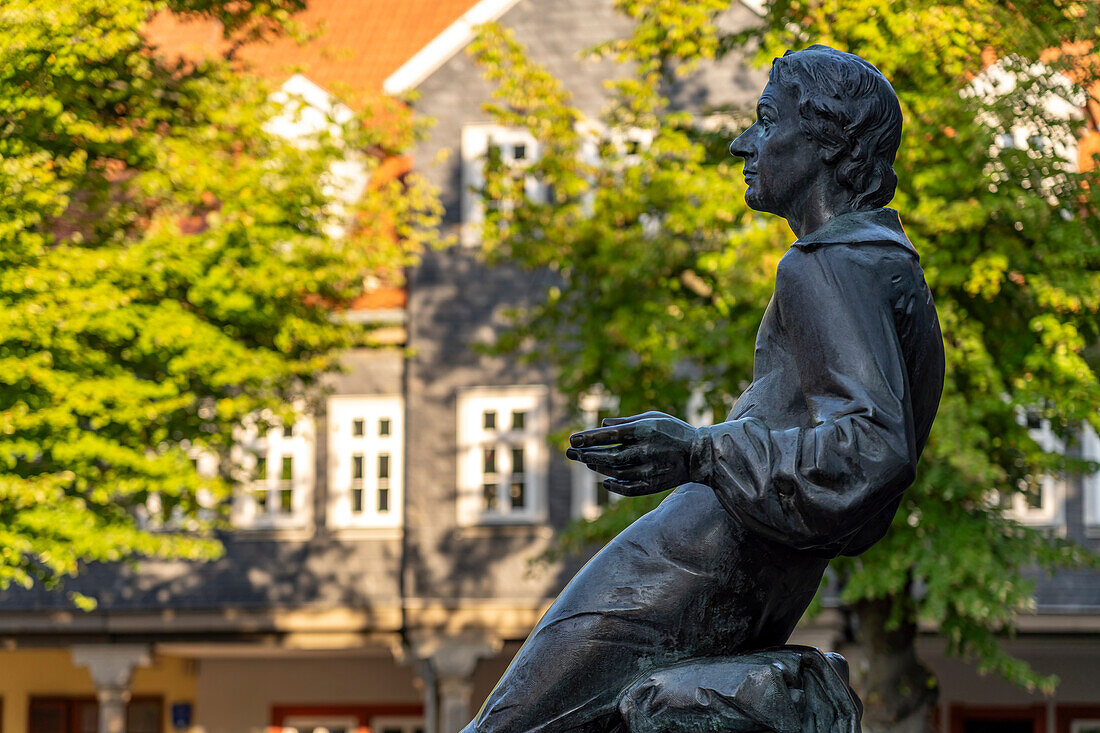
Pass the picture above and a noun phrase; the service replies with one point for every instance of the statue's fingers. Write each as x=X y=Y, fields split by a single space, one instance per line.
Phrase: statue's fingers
x=625 y=473
x=612 y=421
x=626 y=488
x=602 y=436
x=605 y=459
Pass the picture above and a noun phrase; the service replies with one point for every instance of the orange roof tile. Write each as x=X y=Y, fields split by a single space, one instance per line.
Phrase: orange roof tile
x=357 y=43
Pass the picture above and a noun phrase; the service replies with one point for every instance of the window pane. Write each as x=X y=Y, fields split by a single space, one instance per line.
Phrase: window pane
x=383 y=466
x=998 y=726
x=87 y=716
x=489 y=497
x=383 y=500
x=520 y=152
x=260 y=486
x=517 y=460
x=384 y=427
x=47 y=716
x=357 y=468
x=286 y=503
x=519 y=494
x=287 y=471
x=358 y=427
x=143 y=716
x=489 y=420
x=357 y=500
x=1035 y=498
x=519 y=419
x=1032 y=490
x=288 y=431
x=489 y=462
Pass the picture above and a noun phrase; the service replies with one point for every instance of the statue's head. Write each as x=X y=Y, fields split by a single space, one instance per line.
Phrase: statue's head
x=848 y=113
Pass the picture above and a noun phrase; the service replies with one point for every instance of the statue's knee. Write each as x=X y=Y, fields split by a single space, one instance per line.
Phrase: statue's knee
x=779 y=691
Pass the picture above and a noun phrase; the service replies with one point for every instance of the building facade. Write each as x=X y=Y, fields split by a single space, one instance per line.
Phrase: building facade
x=382 y=569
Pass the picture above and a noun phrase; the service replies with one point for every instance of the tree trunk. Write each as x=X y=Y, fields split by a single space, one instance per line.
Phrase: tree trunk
x=899 y=692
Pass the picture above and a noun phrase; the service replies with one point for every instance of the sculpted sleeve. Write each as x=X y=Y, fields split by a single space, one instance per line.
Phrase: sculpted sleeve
x=814 y=486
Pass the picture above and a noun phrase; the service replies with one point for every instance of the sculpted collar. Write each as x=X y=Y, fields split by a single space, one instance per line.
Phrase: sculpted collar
x=878 y=226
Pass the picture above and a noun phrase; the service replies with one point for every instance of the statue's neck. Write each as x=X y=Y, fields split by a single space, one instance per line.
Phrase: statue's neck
x=821 y=201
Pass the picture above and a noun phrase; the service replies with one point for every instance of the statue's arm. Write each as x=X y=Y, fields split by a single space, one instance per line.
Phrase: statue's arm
x=812 y=487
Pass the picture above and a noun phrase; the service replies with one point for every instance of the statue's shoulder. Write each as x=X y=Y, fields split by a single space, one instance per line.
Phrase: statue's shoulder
x=874 y=227
x=834 y=263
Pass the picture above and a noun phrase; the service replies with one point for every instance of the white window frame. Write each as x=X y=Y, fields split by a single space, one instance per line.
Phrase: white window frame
x=477 y=138
x=1052 y=488
x=475 y=143
x=305 y=110
x=149 y=516
x=585 y=481
x=1090 y=482
x=1081 y=725
x=406 y=724
x=344 y=446
x=474 y=439
x=298 y=722
x=271 y=448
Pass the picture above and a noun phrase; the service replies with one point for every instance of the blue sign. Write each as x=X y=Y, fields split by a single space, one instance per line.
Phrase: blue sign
x=181 y=715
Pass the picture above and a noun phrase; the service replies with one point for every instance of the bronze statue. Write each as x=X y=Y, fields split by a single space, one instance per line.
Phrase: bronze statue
x=810 y=464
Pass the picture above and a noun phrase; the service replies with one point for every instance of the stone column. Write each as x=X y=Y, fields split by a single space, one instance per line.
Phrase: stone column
x=454 y=702
x=111 y=666
x=451 y=659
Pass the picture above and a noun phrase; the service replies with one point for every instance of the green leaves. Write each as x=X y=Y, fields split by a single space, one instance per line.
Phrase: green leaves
x=170 y=266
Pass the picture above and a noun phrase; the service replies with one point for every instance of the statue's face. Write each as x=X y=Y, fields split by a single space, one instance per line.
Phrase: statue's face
x=781 y=163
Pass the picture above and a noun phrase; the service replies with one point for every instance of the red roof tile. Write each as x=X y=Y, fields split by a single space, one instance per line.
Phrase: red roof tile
x=380 y=298
x=358 y=43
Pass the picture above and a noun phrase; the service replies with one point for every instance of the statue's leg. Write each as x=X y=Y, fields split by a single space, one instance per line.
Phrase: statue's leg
x=683 y=581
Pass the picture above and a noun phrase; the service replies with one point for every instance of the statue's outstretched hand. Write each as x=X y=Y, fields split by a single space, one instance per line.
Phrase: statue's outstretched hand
x=642 y=454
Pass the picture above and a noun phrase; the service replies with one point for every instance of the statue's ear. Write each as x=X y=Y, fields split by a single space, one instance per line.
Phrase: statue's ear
x=833 y=153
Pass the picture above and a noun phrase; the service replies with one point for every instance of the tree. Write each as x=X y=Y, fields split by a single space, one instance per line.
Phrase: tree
x=664 y=276
x=169 y=269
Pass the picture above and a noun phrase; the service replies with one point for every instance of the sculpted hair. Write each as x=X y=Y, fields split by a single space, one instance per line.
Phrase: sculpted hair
x=849 y=108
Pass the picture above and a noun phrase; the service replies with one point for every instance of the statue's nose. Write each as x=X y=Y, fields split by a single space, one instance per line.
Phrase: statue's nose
x=740 y=146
